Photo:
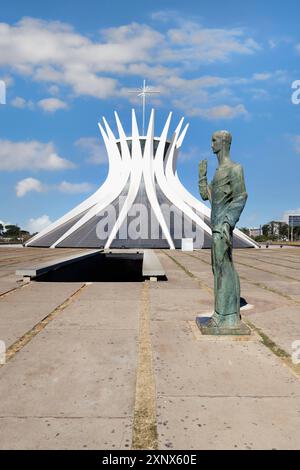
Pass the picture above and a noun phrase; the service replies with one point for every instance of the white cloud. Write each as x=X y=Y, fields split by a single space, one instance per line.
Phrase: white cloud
x=36 y=225
x=54 y=90
x=8 y=80
x=195 y=84
x=191 y=42
x=30 y=155
x=27 y=185
x=262 y=76
x=272 y=43
x=92 y=66
x=278 y=41
x=74 y=188
x=259 y=93
x=208 y=97
x=18 y=102
x=21 y=103
x=65 y=57
x=32 y=184
x=2 y=92
x=165 y=16
x=95 y=150
x=280 y=76
x=192 y=153
x=215 y=112
x=50 y=105
x=223 y=112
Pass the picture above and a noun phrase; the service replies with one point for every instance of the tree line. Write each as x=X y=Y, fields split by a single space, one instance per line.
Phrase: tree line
x=13 y=233
x=275 y=231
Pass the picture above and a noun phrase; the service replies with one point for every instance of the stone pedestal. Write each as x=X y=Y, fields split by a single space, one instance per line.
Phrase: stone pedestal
x=208 y=328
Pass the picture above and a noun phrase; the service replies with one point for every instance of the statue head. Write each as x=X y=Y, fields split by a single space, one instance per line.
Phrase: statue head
x=221 y=140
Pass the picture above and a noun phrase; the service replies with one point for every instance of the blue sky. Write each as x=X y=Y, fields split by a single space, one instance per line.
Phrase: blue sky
x=222 y=66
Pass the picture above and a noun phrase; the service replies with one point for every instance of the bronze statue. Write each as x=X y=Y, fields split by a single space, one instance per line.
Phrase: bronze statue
x=227 y=195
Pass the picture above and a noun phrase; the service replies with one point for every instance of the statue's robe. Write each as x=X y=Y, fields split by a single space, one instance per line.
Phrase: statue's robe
x=227 y=194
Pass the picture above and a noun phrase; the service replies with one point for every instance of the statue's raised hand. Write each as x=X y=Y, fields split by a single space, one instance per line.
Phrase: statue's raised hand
x=203 y=168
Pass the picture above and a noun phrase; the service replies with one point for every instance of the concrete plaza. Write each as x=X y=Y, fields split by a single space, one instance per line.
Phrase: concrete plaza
x=121 y=365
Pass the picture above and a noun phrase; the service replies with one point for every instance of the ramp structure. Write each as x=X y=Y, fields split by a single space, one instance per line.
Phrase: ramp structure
x=142 y=203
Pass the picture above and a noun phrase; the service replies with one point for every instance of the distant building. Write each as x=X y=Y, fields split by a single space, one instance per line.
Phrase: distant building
x=255 y=232
x=294 y=220
x=277 y=229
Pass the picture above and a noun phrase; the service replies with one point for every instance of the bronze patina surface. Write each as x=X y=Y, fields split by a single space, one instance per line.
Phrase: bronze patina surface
x=227 y=195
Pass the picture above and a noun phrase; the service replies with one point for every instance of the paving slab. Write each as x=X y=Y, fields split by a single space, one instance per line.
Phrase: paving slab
x=255 y=275
x=288 y=286
x=89 y=373
x=271 y=262
x=99 y=314
x=228 y=423
x=109 y=291
x=263 y=300
x=286 y=271
x=60 y=433
x=185 y=366
x=21 y=310
x=7 y=285
x=175 y=278
x=168 y=304
x=281 y=324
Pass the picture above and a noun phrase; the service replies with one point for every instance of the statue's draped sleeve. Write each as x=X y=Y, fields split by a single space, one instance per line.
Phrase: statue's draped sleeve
x=238 y=196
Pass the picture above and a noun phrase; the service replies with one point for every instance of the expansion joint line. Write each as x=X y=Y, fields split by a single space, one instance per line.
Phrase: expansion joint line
x=269 y=272
x=29 y=335
x=285 y=357
x=14 y=289
x=144 y=433
x=260 y=260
